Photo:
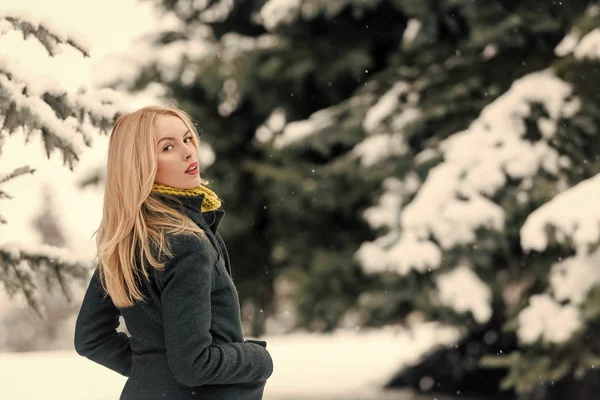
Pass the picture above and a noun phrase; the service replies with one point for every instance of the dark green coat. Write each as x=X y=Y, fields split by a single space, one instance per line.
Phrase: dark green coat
x=186 y=339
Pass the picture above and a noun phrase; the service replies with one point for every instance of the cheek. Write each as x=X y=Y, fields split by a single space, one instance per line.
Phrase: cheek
x=162 y=166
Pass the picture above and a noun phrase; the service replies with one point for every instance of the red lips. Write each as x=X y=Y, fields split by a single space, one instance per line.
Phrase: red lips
x=193 y=167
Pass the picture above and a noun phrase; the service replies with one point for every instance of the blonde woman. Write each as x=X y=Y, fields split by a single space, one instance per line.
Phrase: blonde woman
x=164 y=267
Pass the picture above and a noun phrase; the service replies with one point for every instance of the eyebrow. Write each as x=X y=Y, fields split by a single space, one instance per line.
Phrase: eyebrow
x=170 y=138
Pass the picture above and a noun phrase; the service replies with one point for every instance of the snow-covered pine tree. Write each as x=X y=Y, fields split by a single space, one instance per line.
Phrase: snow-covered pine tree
x=35 y=104
x=471 y=132
x=474 y=234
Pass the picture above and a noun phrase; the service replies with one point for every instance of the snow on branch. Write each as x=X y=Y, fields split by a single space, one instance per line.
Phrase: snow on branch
x=279 y=12
x=462 y=290
x=19 y=263
x=297 y=130
x=588 y=46
x=39 y=103
x=546 y=320
x=171 y=54
x=573 y=214
x=50 y=35
x=572 y=279
x=16 y=172
x=276 y=13
x=454 y=200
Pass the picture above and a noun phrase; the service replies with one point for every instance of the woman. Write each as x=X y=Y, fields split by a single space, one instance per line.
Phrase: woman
x=164 y=267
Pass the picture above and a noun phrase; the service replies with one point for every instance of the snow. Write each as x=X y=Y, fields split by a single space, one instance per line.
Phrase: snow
x=277 y=119
x=437 y=209
x=453 y=201
x=233 y=45
x=58 y=30
x=169 y=56
x=589 y=46
x=274 y=124
x=32 y=76
x=5 y=27
x=567 y=44
x=397 y=251
x=489 y=51
x=90 y=26
x=404 y=254
x=385 y=106
x=387 y=211
x=298 y=130
x=573 y=43
x=64 y=74
x=305 y=366
x=379 y=147
x=571 y=279
x=218 y=12
x=277 y=12
x=546 y=320
x=462 y=290
x=42 y=114
x=573 y=213
x=426 y=155
x=78 y=223
x=407 y=116
x=413 y=27
x=58 y=254
x=26 y=276
x=37 y=84
x=185 y=54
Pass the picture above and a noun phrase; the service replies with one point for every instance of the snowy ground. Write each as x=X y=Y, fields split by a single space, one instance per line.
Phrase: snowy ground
x=346 y=365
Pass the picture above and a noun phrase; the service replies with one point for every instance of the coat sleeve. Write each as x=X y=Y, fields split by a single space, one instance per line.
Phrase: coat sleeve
x=192 y=356
x=96 y=335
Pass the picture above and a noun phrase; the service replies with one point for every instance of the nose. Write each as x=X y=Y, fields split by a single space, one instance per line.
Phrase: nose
x=188 y=153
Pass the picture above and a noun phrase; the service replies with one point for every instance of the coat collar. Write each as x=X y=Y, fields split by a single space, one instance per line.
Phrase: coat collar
x=191 y=206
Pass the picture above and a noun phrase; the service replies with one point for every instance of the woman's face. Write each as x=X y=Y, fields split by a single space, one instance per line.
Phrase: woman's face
x=176 y=153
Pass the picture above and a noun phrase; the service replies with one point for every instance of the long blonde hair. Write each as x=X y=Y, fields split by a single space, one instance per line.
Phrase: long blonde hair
x=134 y=220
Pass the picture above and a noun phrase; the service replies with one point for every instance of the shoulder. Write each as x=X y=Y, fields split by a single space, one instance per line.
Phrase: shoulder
x=190 y=245
x=182 y=241
x=192 y=257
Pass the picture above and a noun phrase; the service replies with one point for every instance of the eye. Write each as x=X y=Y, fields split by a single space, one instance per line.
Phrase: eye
x=189 y=137
x=167 y=147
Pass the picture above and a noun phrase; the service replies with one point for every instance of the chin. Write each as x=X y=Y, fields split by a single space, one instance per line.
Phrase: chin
x=192 y=184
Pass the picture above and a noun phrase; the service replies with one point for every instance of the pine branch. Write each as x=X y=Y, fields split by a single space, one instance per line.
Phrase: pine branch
x=45 y=32
x=41 y=104
x=19 y=265
x=16 y=172
x=7 y=177
x=65 y=120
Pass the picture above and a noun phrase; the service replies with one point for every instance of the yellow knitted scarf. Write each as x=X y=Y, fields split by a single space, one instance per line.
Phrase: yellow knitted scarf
x=211 y=200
